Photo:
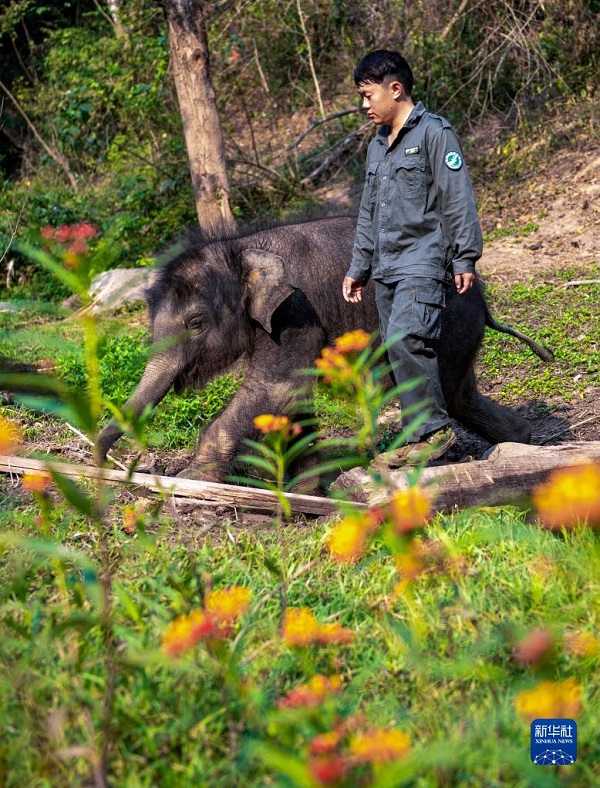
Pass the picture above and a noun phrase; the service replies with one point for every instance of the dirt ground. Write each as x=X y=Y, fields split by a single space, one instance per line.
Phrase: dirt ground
x=559 y=203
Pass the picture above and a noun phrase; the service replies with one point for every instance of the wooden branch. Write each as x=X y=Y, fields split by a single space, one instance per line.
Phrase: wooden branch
x=318 y=121
x=54 y=153
x=453 y=20
x=13 y=234
x=578 y=282
x=510 y=471
x=309 y=53
x=248 y=498
x=339 y=150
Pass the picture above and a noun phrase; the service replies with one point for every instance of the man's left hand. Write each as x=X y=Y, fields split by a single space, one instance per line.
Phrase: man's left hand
x=463 y=282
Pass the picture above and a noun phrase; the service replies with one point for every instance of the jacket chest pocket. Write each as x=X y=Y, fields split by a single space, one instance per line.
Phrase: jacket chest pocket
x=411 y=179
x=372 y=181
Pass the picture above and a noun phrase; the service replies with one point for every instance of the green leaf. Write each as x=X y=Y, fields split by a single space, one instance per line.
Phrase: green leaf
x=75 y=283
x=74 y=494
x=282 y=763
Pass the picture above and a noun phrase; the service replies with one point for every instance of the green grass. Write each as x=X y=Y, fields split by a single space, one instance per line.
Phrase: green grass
x=563 y=320
x=438 y=662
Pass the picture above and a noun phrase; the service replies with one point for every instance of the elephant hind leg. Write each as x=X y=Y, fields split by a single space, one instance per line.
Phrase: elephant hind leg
x=496 y=423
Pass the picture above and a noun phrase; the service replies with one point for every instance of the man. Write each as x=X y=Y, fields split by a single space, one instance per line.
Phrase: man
x=417 y=219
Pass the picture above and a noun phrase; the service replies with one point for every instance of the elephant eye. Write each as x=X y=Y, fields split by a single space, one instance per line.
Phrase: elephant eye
x=194 y=323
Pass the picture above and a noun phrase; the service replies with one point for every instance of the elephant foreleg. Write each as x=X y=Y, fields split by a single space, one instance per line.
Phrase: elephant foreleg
x=224 y=437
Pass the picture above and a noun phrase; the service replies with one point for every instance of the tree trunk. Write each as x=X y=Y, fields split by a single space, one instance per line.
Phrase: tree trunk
x=114 y=11
x=511 y=471
x=203 y=136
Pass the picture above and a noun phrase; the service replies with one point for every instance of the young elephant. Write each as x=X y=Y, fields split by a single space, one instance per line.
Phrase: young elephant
x=273 y=297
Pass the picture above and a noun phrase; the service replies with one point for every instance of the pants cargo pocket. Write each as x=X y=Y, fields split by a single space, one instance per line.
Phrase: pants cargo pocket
x=426 y=313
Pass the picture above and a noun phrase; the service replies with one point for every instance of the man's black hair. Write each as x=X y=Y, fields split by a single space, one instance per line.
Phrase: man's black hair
x=381 y=66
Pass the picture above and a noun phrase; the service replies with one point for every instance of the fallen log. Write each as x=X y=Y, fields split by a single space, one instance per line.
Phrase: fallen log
x=510 y=471
x=209 y=493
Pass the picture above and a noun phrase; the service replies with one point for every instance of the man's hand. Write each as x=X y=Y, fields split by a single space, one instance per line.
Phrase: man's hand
x=352 y=290
x=463 y=282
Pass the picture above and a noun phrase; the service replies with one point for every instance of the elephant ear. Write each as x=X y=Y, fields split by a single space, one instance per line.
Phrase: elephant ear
x=268 y=284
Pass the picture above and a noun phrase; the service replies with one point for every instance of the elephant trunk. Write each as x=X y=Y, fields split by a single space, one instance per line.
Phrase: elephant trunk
x=159 y=375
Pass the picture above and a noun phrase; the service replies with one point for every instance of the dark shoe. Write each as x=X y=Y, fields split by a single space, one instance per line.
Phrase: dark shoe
x=432 y=447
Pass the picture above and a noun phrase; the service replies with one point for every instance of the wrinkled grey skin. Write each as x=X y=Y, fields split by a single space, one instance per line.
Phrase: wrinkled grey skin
x=274 y=297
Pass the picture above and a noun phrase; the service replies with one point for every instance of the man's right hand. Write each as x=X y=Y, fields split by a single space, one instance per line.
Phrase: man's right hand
x=352 y=290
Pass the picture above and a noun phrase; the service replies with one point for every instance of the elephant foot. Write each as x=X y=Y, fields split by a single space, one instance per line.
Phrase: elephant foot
x=204 y=473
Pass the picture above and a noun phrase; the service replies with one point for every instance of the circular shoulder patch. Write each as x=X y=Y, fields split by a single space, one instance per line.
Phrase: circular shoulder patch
x=453 y=160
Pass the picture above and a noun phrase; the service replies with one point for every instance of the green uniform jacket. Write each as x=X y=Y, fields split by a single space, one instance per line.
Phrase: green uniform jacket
x=417 y=214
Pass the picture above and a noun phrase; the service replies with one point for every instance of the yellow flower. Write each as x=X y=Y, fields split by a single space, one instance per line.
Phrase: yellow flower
x=347 y=541
x=228 y=604
x=582 y=644
x=334 y=366
x=352 y=341
x=299 y=626
x=325 y=743
x=380 y=746
x=313 y=693
x=570 y=496
x=267 y=423
x=409 y=509
x=36 y=482
x=10 y=436
x=334 y=634
x=550 y=700
x=185 y=631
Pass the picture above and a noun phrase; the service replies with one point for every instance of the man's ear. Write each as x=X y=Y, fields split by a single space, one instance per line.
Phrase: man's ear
x=397 y=89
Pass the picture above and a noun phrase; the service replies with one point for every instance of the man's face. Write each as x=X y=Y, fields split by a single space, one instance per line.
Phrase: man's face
x=380 y=101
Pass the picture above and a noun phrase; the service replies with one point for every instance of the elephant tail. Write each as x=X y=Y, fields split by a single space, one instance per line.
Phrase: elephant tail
x=539 y=350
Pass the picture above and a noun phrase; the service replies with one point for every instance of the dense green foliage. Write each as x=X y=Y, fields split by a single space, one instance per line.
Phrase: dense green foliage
x=90 y=123
x=91 y=581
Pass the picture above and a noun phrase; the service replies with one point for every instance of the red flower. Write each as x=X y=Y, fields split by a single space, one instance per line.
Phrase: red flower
x=84 y=230
x=63 y=233
x=534 y=647
x=329 y=770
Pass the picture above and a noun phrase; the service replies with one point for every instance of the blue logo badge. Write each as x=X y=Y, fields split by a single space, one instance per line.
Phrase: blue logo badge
x=453 y=160
x=553 y=742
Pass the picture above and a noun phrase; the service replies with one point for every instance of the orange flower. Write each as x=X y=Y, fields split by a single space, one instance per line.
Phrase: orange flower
x=380 y=746
x=409 y=563
x=325 y=743
x=549 y=700
x=311 y=694
x=347 y=541
x=227 y=605
x=409 y=509
x=334 y=634
x=267 y=423
x=299 y=626
x=328 y=770
x=582 y=644
x=352 y=341
x=534 y=647
x=186 y=631
x=131 y=519
x=570 y=496
x=36 y=482
x=10 y=436
x=334 y=366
